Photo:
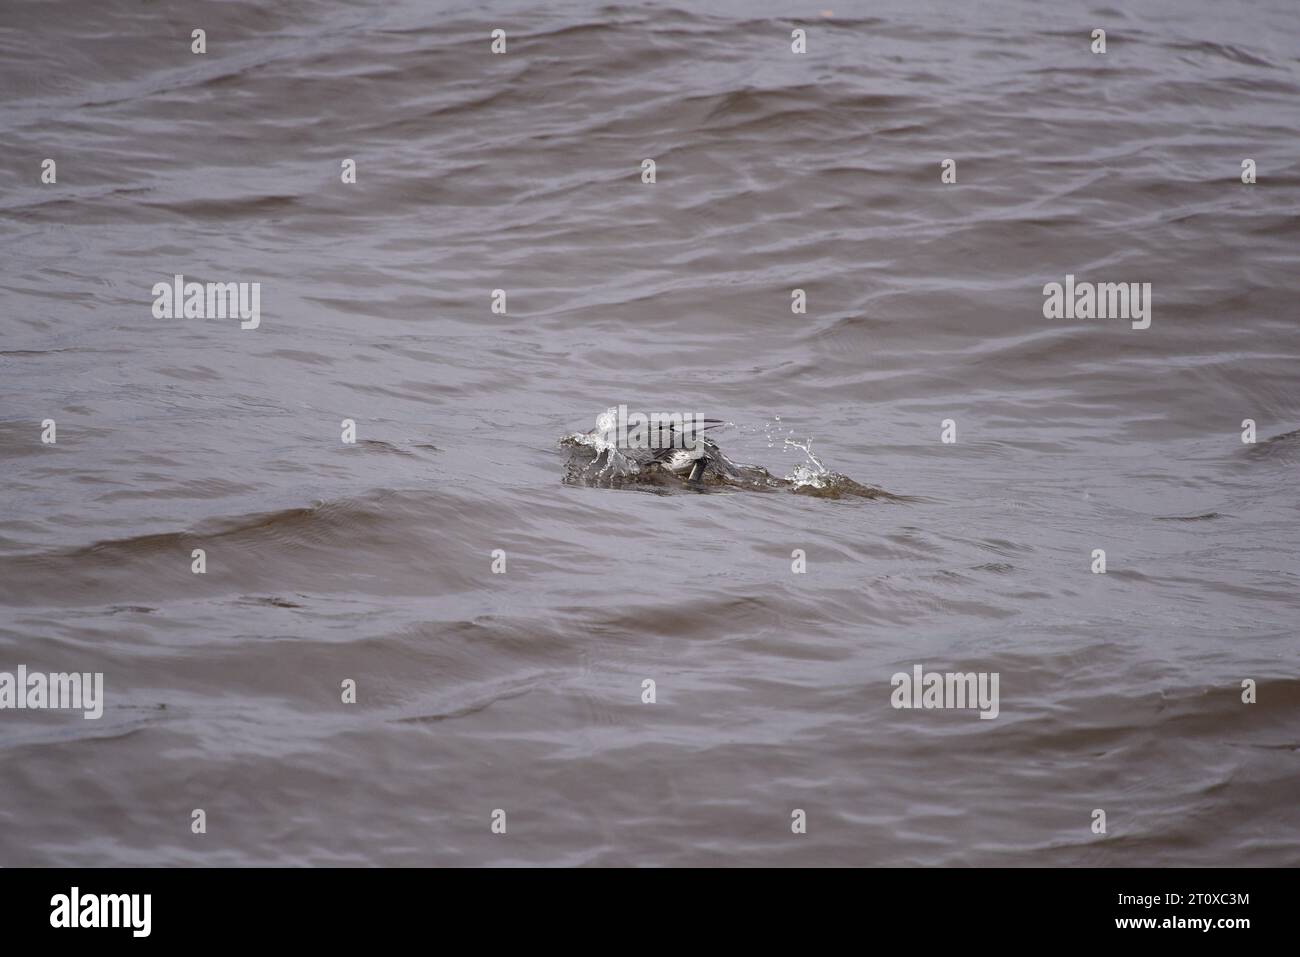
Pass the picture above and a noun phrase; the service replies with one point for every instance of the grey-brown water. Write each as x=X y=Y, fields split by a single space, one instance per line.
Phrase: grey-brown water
x=522 y=691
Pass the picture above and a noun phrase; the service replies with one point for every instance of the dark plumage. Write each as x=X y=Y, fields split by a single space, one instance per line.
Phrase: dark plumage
x=682 y=452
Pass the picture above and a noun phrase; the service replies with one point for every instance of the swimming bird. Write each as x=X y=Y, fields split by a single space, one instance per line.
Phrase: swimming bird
x=660 y=450
x=678 y=449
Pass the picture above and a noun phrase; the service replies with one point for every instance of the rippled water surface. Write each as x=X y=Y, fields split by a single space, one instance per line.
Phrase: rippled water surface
x=522 y=691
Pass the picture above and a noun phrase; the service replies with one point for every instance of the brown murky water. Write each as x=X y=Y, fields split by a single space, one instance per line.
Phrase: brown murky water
x=522 y=691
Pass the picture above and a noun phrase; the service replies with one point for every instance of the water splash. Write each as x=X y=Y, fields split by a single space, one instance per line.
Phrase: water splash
x=595 y=460
x=607 y=462
x=811 y=473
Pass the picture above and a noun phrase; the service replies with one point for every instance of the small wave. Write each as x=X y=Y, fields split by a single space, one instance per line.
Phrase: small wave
x=1285 y=445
